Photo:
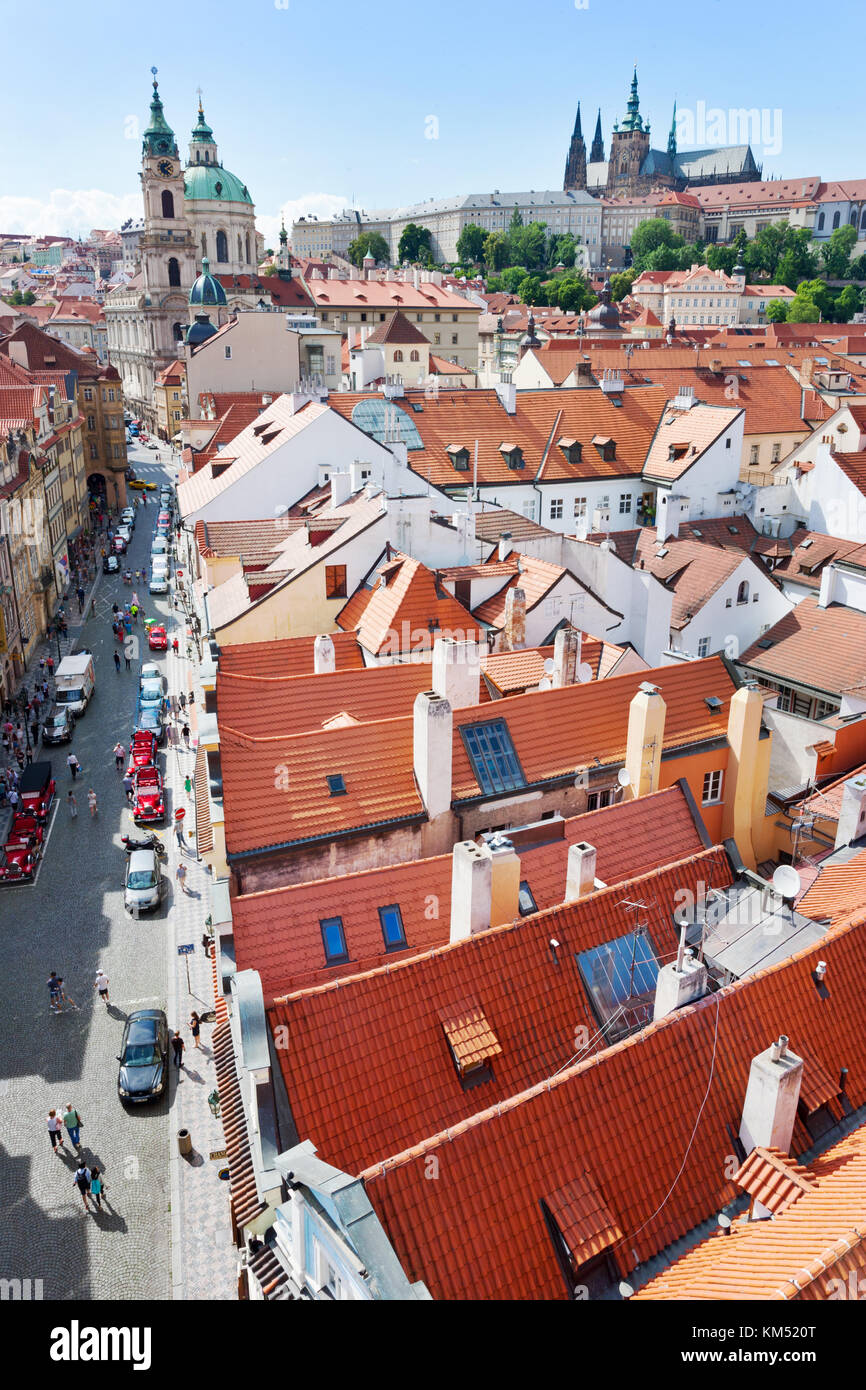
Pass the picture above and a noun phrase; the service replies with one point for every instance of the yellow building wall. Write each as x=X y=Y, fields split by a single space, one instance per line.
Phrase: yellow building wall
x=300 y=609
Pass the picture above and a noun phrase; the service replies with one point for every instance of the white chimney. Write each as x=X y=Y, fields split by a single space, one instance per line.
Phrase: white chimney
x=685 y=397
x=356 y=468
x=350 y=336
x=580 y=874
x=416 y=278
x=770 y=1107
x=505 y=546
x=852 y=813
x=341 y=488
x=680 y=982
x=566 y=656
x=432 y=737
x=324 y=656
x=514 y=630
x=457 y=671
x=471 y=888
x=828 y=586
x=333 y=274
x=507 y=393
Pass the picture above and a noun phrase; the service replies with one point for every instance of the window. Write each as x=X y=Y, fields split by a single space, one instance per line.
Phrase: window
x=777 y=453
x=91 y=422
x=88 y=393
x=247 y=248
x=580 y=506
x=436 y=318
x=620 y=980
x=167 y=203
x=755 y=598
x=437 y=339
x=392 y=927
x=704 y=646
x=626 y=502
x=525 y=899
x=595 y=800
x=492 y=756
x=228 y=353
x=204 y=244
x=336 y=784
x=743 y=592
x=177 y=330
x=335 y=581
x=729 y=603
x=453 y=339
x=753 y=454
x=398 y=355
x=94 y=451
x=556 y=509
x=820 y=221
x=835 y=220
x=712 y=791
x=414 y=355
x=173 y=271
x=222 y=247
x=454 y=320
x=333 y=940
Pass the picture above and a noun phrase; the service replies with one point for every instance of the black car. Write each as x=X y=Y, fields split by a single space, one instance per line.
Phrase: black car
x=58 y=726
x=111 y=565
x=143 y=1057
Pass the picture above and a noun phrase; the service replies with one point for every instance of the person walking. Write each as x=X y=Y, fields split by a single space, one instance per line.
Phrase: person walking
x=185 y=732
x=74 y=765
x=55 y=1132
x=73 y=1123
x=92 y=803
x=101 y=984
x=72 y=803
x=180 y=875
x=180 y=838
x=177 y=1046
x=82 y=1182
x=126 y=656
x=181 y=699
x=13 y=798
x=195 y=1028
x=97 y=1187
x=34 y=732
x=42 y=665
x=117 y=662
x=187 y=786
x=55 y=986
x=119 y=756
x=50 y=665
x=172 y=703
x=128 y=786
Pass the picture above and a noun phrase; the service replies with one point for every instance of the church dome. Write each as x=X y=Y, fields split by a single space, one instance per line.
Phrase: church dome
x=207 y=289
x=604 y=314
x=199 y=331
x=213 y=183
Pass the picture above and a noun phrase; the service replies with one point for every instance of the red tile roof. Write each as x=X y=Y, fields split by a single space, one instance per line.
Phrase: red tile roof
x=687 y=434
x=838 y=890
x=824 y=648
x=854 y=467
x=393 y=616
x=292 y=656
x=266 y=705
x=693 y=569
x=397 y=329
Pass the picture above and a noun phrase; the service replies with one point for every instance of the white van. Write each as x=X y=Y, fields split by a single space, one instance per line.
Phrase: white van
x=75 y=682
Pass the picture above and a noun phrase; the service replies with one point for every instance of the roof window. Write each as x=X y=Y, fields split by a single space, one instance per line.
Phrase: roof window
x=471 y=1041
x=392 y=927
x=491 y=753
x=620 y=979
x=334 y=940
x=526 y=901
x=336 y=784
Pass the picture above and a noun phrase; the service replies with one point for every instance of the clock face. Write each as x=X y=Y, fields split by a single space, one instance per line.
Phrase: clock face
x=166 y=168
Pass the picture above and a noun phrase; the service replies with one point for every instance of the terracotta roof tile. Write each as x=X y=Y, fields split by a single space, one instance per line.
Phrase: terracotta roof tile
x=203 y=827
x=823 y=647
x=267 y=705
x=399 y=608
x=583 y=1217
x=291 y=656
x=838 y=890
x=683 y=436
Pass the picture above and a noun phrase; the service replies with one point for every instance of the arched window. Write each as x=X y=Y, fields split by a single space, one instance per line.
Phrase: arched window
x=249 y=262
x=743 y=592
x=167 y=203
x=835 y=220
x=240 y=248
x=222 y=247
x=173 y=271
x=863 y=219
x=398 y=355
x=820 y=221
x=414 y=355
x=177 y=330
x=204 y=244
x=853 y=217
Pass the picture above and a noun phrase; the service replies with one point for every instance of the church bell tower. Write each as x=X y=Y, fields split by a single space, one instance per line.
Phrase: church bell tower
x=167 y=248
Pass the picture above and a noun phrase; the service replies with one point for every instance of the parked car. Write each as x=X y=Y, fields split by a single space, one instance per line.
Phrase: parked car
x=25 y=830
x=58 y=726
x=151 y=693
x=118 y=545
x=143 y=1057
x=142 y=750
x=148 y=804
x=150 y=721
x=164 y=517
x=133 y=429
x=111 y=565
x=18 y=864
x=150 y=671
x=36 y=788
x=158 y=582
x=127 y=517
x=126 y=532
x=143 y=884
x=157 y=639
x=159 y=546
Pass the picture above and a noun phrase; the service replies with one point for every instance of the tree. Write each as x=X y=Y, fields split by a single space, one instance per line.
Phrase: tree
x=722 y=258
x=786 y=270
x=269 y=253
x=21 y=297
x=495 y=253
x=415 y=243
x=512 y=278
x=662 y=258
x=649 y=237
x=470 y=244
x=836 y=253
x=573 y=294
x=620 y=285
x=768 y=248
x=777 y=311
x=562 y=248
x=802 y=310
x=527 y=246
x=372 y=243
x=529 y=290
x=848 y=303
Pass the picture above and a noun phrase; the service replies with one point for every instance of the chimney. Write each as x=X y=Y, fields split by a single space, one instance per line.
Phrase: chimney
x=770 y=1107
x=852 y=814
x=432 y=737
x=471 y=889
x=341 y=488
x=807 y=368
x=457 y=671
x=416 y=278
x=333 y=274
x=580 y=874
x=324 y=656
x=646 y=731
x=748 y=772
x=680 y=982
x=828 y=586
x=505 y=546
x=566 y=656
x=507 y=393
x=514 y=631
x=504 y=881
x=350 y=336
x=670 y=513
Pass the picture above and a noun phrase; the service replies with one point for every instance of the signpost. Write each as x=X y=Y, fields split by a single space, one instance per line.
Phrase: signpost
x=186 y=951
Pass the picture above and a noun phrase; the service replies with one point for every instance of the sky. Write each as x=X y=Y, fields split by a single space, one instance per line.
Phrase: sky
x=319 y=106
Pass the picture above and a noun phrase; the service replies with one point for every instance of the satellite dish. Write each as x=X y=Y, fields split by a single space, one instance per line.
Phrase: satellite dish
x=545 y=683
x=584 y=672
x=624 y=777
x=786 y=881
x=549 y=665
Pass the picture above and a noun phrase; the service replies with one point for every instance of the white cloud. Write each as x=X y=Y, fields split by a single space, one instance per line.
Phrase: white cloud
x=321 y=205
x=67 y=212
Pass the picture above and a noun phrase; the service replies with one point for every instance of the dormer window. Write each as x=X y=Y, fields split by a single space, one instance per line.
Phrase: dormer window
x=459 y=456
x=606 y=448
x=572 y=449
x=513 y=455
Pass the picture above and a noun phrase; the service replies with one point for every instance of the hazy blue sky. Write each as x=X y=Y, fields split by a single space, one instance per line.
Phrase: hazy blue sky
x=317 y=103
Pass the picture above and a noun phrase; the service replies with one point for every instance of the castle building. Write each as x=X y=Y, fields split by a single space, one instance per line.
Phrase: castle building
x=634 y=167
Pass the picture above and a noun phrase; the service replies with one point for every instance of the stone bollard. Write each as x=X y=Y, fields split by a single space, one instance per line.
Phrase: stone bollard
x=184 y=1142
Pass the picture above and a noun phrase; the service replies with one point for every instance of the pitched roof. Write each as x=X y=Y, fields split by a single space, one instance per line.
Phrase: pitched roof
x=276 y=704
x=402 y=602
x=493 y=522
x=693 y=569
x=683 y=436
x=290 y=656
x=838 y=890
x=854 y=467
x=397 y=329
x=823 y=648
x=382 y=294
x=535 y=577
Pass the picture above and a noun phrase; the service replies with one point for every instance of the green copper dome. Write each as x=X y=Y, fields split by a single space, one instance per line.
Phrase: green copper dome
x=159 y=136
x=200 y=331
x=201 y=131
x=216 y=184
x=207 y=289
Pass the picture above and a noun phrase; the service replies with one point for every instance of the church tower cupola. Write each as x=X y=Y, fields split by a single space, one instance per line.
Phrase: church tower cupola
x=633 y=120
x=202 y=146
x=159 y=137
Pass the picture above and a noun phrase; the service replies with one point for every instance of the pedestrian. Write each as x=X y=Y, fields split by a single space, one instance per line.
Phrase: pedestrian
x=115 y=610
x=19 y=735
x=195 y=1027
x=128 y=786
x=55 y=1132
x=185 y=733
x=177 y=1046
x=126 y=658
x=34 y=732
x=172 y=699
x=92 y=803
x=181 y=699
x=101 y=984
x=73 y=1123
x=96 y=1187
x=187 y=786
x=82 y=1182
x=205 y=942
x=50 y=664
x=72 y=804
x=55 y=986
x=180 y=875
x=12 y=798
x=174 y=647
x=42 y=665
x=93 y=608
x=119 y=755
x=179 y=837
x=117 y=662
x=45 y=688
x=74 y=765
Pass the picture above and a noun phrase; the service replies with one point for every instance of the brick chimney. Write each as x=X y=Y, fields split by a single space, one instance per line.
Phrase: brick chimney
x=514 y=631
x=646 y=731
x=852 y=814
x=324 y=656
x=566 y=656
x=432 y=736
x=770 y=1107
x=457 y=671
x=580 y=874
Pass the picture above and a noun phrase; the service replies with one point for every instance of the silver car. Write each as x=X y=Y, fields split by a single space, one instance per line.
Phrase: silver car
x=142 y=889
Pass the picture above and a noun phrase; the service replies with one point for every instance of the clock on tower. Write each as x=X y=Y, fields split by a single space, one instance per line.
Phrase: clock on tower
x=166 y=168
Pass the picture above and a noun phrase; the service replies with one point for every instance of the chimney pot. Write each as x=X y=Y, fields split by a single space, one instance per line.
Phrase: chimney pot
x=773 y=1090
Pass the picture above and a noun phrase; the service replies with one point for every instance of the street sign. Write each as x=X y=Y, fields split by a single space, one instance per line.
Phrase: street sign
x=219 y=1153
x=179 y=813
x=186 y=950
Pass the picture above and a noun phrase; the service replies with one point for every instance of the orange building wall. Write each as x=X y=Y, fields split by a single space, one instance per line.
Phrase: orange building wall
x=694 y=768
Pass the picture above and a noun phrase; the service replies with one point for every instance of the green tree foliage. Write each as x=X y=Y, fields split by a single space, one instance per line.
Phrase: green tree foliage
x=512 y=278
x=495 y=253
x=368 y=242
x=573 y=295
x=529 y=290
x=763 y=254
x=21 y=297
x=415 y=243
x=836 y=253
x=470 y=244
x=649 y=237
x=562 y=248
x=620 y=284
x=849 y=302
x=527 y=246
x=812 y=302
x=777 y=311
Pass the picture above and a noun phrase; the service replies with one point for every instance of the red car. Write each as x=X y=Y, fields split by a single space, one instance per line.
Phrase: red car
x=37 y=788
x=142 y=751
x=18 y=863
x=25 y=830
x=157 y=639
x=148 y=804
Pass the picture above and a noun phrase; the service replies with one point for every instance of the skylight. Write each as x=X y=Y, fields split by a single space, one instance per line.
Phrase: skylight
x=392 y=927
x=771 y=362
x=525 y=899
x=743 y=362
x=804 y=545
x=734 y=530
x=620 y=979
x=336 y=784
x=492 y=756
x=375 y=417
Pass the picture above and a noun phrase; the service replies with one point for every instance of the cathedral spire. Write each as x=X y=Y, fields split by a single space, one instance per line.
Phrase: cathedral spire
x=578 y=133
x=633 y=117
x=596 y=154
x=672 y=138
x=159 y=136
x=575 y=164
